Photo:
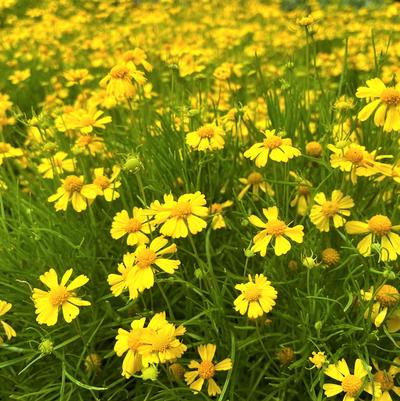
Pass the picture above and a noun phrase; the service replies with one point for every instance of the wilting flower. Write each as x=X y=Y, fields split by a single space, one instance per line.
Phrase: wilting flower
x=257 y=297
x=60 y=295
x=274 y=229
x=207 y=137
x=255 y=181
x=206 y=370
x=8 y=330
x=107 y=186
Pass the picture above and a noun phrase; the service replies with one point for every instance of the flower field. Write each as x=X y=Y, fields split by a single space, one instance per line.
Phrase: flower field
x=199 y=200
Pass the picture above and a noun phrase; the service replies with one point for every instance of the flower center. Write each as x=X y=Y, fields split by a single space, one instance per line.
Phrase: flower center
x=119 y=72
x=206 y=370
x=102 y=182
x=387 y=295
x=87 y=121
x=145 y=258
x=275 y=227
x=4 y=147
x=133 y=225
x=206 y=132
x=354 y=155
x=255 y=178
x=272 y=142
x=384 y=379
x=161 y=343
x=59 y=295
x=391 y=97
x=85 y=140
x=253 y=293
x=330 y=256
x=216 y=208
x=133 y=341
x=351 y=384
x=330 y=208
x=73 y=184
x=379 y=224
x=182 y=209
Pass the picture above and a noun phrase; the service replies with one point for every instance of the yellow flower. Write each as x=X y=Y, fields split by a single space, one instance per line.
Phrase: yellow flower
x=318 y=359
x=330 y=256
x=56 y=164
x=386 y=102
x=19 y=76
x=207 y=137
x=216 y=210
x=350 y=384
x=386 y=379
x=7 y=151
x=86 y=120
x=128 y=342
x=206 y=370
x=138 y=57
x=61 y=295
x=8 y=330
x=89 y=144
x=333 y=210
x=303 y=194
x=256 y=182
x=136 y=227
x=257 y=297
x=141 y=276
x=377 y=226
x=178 y=218
x=159 y=342
x=314 y=149
x=119 y=282
x=107 y=187
x=274 y=147
x=274 y=228
x=77 y=77
x=73 y=189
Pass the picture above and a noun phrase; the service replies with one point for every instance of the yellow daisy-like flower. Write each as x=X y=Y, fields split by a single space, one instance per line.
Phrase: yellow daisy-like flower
x=206 y=370
x=136 y=227
x=107 y=186
x=7 y=151
x=19 y=76
x=386 y=379
x=207 y=137
x=256 y=182
x=216 y=210
x=257 y=297
x=384 y=101
x=87 y=120
x=178 y=218
x=128 y=342
x=378 y=226
x=61 y=295
x=73 y=189
x=274 y=147
x=119 y=282
x=277 y=229
x=326 y=211
x=141 y=276
x=318 y=359
x=89 y=144
x=8 y=330
x=350 y=384
x=77 y=77
x=56 y=165
x=138 y=57
x=159 y=342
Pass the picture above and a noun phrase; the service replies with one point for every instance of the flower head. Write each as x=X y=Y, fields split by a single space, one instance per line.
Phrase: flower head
x=207 y=137
x=256 y=182
x=56 y=165
x=8 y=330
x=107 y=186
x=318 y=359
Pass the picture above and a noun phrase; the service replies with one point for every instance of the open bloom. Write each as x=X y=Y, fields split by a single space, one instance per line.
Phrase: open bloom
x=206 y=370
x=77 y=77
x=178 y=218
x=378 y=226
x=326 y=211
x=61 y=295
x=8 y=330
x=136 y=227
x=255 y=181
x=257 y=297
x=384 y=101
x=107 y=186
x=350 y=383
x=73 y=189
x=274 y=147
x=87 y=120
x=386 y=379
x=56 y=165
x=274 y=229
x=207 y=137
x=119 y=282
x=8 y=151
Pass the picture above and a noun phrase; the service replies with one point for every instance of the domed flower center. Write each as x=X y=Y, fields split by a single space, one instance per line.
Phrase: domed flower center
x=73 y=184
x=161 y=343
x=273 y=142
x=59 y=296
x=182 y=209
x=206 y=370
x=133 y=340
x=303 y=189
x=253 y=293
x=120 y=72
x=145 y=258
x=330 y=256
x=391 y=97
x=216 y=208
x=102 y=182
x=87 y=121
x=275 y=227
x=354 y=155
x=351 y=385
x=387 y=295
x=384 y=379
x=314 y=148
x=206 y=132
x=379 y=224
x=4 y=147
x=133 y=225
x=255 y=178
x=330 y=208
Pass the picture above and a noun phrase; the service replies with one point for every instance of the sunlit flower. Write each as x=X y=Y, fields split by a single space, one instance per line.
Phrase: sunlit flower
x=207 y=137
x=8 y=330
x=138 y=57
x=19 y=76
x=119 y=282
x=255 y=181
x=86 y=120
x=61 y=295
x=56 y=165
x=77 y=77
x=107 y=186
